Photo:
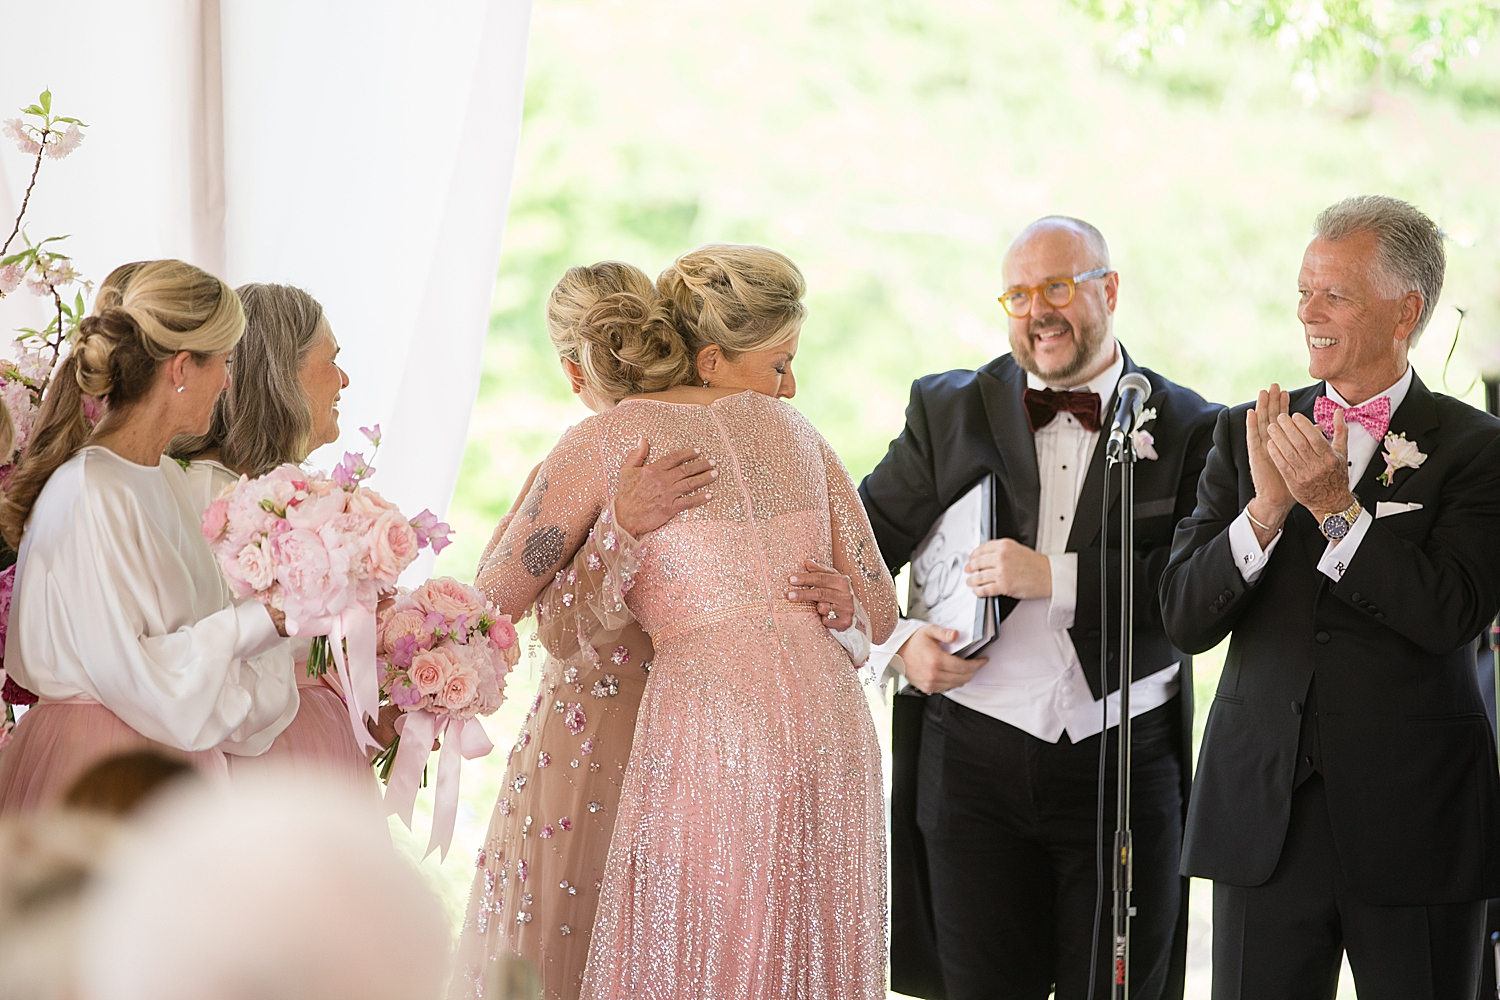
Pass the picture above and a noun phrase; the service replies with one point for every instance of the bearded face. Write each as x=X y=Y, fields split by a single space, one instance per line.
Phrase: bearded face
x=1058 y=350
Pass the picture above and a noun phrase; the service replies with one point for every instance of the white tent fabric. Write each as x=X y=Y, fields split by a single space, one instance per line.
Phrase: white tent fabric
x=361 y=149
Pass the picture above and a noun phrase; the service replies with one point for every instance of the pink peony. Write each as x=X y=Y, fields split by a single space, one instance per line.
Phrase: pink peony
x=302 y=569
x=502 y=634
x=449 y=598
x=215 y=520
x=313 y=512
x=428 y=670
x=392 y=545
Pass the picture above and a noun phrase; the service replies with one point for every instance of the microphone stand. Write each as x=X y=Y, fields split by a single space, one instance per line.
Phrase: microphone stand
x=1123 y=848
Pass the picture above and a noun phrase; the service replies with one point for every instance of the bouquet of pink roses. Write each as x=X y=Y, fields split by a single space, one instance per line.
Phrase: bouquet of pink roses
x=445 y=653
x=321 y=549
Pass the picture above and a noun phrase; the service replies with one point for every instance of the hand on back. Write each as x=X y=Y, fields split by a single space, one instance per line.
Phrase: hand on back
x=651 y=495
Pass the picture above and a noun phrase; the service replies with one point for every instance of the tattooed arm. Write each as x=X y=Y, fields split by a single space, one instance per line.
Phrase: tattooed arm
x=551 y=523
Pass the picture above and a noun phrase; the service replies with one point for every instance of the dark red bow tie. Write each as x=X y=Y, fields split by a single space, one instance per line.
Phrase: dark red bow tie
x=1043 y=406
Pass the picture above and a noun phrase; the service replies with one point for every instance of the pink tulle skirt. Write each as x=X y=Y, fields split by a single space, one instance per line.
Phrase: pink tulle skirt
x=319 y=740
x=56 y=741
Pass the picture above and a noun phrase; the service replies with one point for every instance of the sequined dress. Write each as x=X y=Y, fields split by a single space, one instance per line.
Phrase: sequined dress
x=748 y=858
x=537 y=877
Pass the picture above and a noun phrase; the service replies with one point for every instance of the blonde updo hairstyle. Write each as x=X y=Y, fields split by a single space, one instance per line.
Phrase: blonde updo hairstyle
x=739 y=297
x=607 y=319
x=144 y=314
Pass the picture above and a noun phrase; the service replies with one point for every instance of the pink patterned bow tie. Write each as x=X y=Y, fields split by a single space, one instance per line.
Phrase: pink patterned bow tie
x=1374 y=416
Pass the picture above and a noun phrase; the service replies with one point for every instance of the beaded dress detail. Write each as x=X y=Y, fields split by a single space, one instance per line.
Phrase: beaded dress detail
x=748 y=858
x=537 y=877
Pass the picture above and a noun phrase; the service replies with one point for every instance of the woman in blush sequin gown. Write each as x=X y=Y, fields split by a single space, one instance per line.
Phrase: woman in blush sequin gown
x=748 y=857
x=537 y=876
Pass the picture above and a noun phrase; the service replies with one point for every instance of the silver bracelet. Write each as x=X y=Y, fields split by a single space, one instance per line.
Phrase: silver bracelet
x=1262 y=527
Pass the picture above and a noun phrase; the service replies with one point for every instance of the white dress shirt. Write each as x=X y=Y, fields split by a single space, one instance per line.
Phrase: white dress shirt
x=119 y=600
x=1251 y=558
x=1033 y=679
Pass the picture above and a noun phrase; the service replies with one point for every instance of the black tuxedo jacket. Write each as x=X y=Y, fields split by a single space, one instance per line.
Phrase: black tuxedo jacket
x=1408 y=760
x=961 y=426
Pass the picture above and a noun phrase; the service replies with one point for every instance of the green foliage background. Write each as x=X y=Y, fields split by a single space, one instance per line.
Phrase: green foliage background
x=892 y=148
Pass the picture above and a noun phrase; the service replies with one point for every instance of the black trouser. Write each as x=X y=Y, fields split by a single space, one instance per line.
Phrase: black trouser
x=1010 y=826
x=1285 y=938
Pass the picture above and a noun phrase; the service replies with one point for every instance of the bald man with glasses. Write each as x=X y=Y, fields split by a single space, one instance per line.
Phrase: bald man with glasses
x=995 y=809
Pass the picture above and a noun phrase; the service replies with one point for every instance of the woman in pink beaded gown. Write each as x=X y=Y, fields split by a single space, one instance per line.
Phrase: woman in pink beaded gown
x=748 y=858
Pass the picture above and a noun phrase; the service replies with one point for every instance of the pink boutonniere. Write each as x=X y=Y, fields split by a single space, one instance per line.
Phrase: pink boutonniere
x=1400 y=454
x=1144 y=443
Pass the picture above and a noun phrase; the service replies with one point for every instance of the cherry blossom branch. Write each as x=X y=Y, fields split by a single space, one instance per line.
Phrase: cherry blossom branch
x=35 y=169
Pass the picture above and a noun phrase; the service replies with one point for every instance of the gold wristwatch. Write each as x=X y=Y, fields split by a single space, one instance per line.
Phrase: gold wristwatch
x=1336 y=526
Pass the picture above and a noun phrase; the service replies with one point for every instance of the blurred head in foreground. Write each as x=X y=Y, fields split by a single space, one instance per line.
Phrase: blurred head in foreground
x=276 y=888
x=48 y=860
x=119 y=785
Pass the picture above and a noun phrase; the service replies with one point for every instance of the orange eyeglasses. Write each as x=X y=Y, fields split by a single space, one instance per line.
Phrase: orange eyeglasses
x=1057 y=292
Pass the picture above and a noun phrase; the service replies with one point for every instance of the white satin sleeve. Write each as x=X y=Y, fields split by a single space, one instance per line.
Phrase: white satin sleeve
x=118 y=599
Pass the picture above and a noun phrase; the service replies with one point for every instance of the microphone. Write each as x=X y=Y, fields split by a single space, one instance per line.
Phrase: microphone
x=1130 y=397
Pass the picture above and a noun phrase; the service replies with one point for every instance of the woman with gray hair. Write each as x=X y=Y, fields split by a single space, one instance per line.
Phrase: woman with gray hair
x=282 y=404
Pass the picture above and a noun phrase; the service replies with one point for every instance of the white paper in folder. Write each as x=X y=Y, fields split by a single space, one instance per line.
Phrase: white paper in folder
x=938 y=593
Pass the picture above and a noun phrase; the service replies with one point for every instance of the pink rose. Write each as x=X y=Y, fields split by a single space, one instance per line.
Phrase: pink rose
x=405 y=621
x=393 y=545
x=502 y=634
x=460 y=687
x=428 y=670
x=449 y=598
x=255 y=568
x=215 y=520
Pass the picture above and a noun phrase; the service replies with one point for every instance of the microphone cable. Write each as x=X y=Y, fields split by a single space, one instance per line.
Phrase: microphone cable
x=1104 y=722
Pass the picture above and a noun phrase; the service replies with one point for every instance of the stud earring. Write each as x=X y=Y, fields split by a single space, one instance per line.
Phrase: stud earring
x=705 y=383
x=181 y=387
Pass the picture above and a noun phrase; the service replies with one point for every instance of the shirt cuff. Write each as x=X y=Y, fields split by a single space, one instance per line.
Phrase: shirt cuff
x=257 y=630
x=1249 y=557
x=1339 y=554
x=881 y=654
x=1064 y=591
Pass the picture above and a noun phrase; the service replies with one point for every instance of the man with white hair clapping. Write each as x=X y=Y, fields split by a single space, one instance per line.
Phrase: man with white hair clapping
x=1347 y=539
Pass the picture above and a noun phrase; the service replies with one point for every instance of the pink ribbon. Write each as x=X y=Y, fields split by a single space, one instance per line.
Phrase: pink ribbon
x=462 y=738
x=360 y=675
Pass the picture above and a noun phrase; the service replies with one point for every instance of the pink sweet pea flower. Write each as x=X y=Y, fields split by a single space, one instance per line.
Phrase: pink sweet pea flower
x=404 y=650
x=372 y=434
x=431 y=532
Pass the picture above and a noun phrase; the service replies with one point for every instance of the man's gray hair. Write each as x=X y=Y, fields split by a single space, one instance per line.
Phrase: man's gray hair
x=1409 y=254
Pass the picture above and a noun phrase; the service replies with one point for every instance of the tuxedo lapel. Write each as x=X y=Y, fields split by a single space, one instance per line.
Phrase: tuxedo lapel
x=1416 y=417
x=1005 y=408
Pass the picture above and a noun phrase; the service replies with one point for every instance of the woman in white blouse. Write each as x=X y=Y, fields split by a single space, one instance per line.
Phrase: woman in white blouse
x=282 y=405
x=120 y=621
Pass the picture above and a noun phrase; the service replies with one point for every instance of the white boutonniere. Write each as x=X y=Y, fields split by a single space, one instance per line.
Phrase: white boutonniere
x=1399 y=454
x=1141 y=439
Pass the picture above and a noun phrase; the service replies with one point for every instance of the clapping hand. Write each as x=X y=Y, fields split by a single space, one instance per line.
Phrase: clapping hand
x=1273 y=501
x=1315 y=471
x=651 y=495
x=829 y=589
